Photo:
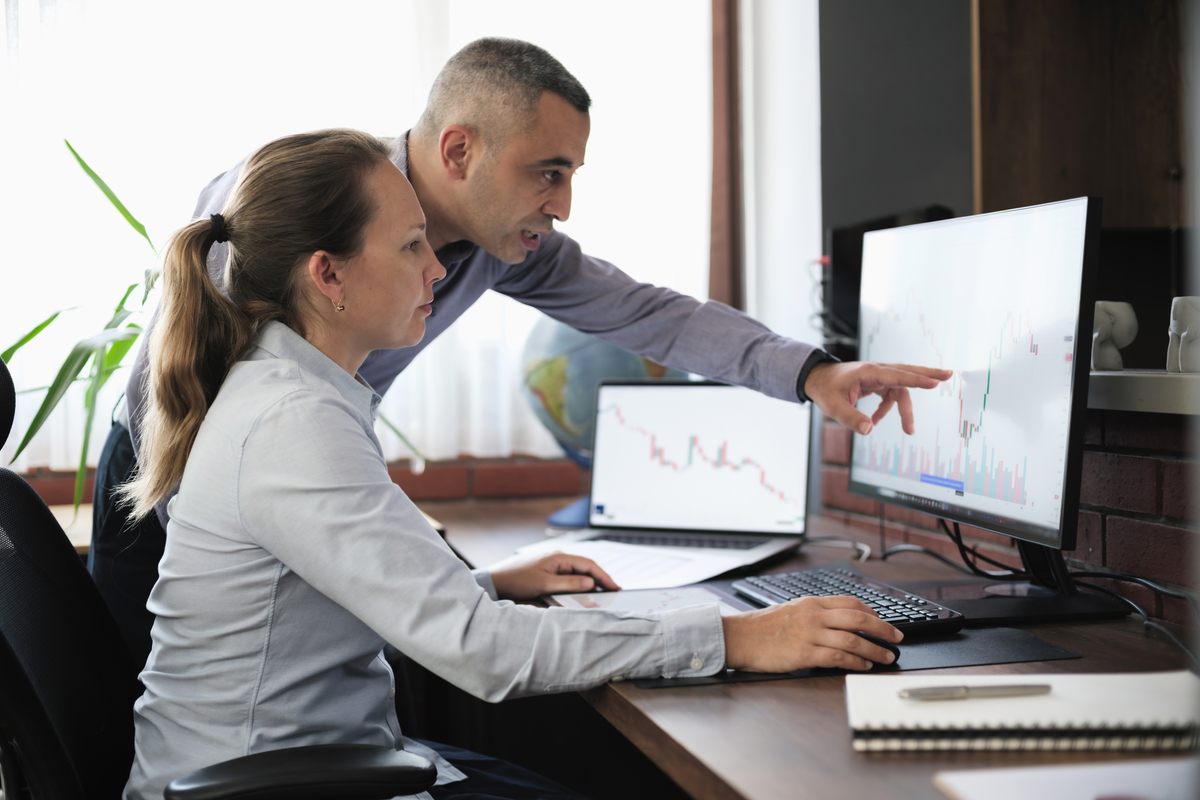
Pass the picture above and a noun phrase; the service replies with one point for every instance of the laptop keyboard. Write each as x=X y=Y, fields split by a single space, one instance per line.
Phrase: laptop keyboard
x=908 y=612
x=724 y=543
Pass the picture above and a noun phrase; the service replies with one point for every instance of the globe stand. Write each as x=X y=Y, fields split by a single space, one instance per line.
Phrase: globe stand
x=574 y=515
x=563 y=366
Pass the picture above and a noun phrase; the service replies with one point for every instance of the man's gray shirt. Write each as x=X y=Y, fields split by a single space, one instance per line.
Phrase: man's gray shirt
x=292 y=557
x=593 y=296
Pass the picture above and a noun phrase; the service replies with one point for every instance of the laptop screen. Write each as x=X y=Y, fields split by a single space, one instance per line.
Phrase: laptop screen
x=698 y=457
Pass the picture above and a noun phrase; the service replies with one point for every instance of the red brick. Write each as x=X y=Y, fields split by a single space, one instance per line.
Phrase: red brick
x=1179 y=499
x=835 y=444
x=1150 y=550
x=1143 y=431
x=449 y=481
x=1128 y=483
x=526 y=478
x=1089 y=539
x=1177 y=611
x=908 y=516
x=835 y=492
x=58 y=488
x=1093 y=430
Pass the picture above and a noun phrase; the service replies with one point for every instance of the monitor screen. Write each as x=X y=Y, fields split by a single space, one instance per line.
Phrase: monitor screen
x=998 y=298
x=698 y=457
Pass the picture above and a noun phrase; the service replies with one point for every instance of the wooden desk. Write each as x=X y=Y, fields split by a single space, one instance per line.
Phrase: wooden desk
x=788 y=739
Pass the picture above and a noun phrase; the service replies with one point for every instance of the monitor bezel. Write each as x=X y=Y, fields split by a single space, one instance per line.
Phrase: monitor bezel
x=1073 y=467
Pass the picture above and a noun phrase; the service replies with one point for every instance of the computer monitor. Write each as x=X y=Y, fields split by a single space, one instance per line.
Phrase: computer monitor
x=1005 y=300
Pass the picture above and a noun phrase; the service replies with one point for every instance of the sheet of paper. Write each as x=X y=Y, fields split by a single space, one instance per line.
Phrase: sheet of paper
x=1160 y=779
x=636 y=566
x=645 y=601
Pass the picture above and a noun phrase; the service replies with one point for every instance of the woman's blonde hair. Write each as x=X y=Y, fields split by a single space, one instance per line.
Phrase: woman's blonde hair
x=293 y=197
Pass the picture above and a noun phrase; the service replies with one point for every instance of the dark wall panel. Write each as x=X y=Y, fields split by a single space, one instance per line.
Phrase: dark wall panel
x=895 y=107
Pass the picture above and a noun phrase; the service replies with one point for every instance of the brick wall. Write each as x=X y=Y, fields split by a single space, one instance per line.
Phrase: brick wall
x=519 y=476
x=1138 y=510
x=491 y=478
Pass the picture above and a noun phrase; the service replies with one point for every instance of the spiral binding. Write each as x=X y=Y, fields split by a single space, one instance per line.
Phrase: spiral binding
x=1102 y=736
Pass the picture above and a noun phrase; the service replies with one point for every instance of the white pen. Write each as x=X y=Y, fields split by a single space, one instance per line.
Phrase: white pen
x=967 y=692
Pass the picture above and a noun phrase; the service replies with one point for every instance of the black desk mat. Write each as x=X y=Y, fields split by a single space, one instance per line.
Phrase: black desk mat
x=967 y=648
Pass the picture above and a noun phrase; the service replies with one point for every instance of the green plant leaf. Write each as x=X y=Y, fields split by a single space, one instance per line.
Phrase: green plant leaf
x=121 y=305
x=151 y=278
x=137 y=226
x=116 y=353
x=90 y=404
x=403 y=438
x=27 y=338
x=68 y=372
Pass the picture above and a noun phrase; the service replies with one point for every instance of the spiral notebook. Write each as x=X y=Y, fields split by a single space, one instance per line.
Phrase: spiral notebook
x=1127 y=711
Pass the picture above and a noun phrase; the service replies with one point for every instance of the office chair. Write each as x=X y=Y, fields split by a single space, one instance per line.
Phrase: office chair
x=68 y=684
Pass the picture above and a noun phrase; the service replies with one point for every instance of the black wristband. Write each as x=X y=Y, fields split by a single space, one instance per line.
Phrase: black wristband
x=814 y=358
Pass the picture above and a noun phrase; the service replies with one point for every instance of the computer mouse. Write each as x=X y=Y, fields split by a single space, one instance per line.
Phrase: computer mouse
x=885 y=644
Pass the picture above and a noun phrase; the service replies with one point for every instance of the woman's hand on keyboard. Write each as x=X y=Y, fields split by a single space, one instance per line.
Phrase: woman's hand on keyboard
x=807 y=632
x=554 y=573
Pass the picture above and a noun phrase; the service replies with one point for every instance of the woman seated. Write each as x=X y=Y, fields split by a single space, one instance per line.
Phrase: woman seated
x=291 y=556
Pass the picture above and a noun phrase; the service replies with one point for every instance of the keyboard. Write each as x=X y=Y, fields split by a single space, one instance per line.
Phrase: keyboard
x=908 y=612
x=724 y=543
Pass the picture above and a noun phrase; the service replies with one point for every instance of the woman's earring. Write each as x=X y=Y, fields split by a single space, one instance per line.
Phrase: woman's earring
x=338 y=306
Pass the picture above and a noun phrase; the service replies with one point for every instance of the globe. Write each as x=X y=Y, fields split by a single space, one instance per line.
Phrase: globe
x=562 y=368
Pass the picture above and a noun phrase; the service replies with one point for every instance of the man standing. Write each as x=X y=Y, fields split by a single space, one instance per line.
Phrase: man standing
x=491 y=160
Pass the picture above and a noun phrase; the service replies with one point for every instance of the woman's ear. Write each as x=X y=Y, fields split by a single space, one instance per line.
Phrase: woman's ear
x=326 y=276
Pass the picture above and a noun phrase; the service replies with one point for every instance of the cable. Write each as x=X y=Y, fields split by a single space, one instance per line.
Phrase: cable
x=1154 y=587
x=863 y=550
x=1145 y=617
x=912 y=548
x=882 y=540
x=1009 y=575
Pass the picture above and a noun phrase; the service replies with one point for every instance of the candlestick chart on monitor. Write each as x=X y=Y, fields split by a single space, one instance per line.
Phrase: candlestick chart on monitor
x=994 y=305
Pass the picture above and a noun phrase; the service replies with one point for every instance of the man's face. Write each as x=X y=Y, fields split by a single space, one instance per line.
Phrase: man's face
x=513 y=197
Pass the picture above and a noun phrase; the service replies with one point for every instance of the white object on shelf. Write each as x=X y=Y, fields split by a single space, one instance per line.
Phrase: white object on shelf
x=1116 y=326
x=1148 y=390
x=1183 y=353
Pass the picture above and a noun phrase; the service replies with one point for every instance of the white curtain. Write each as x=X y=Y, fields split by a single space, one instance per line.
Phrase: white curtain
x=159 y=97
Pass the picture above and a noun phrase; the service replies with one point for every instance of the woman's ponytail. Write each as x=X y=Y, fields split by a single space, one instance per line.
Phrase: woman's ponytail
x=295 y=196
x=199 y=334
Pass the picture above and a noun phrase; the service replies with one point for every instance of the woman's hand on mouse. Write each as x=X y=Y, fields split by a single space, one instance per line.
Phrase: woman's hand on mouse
x=807 y=632
x=554 y=573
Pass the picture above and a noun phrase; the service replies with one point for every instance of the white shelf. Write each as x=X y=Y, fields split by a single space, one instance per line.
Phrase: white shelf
x=1152 y=390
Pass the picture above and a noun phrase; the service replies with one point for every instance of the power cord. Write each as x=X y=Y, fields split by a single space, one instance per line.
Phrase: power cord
x=1009 y=573
x=1021 y=575
x=1146 y=622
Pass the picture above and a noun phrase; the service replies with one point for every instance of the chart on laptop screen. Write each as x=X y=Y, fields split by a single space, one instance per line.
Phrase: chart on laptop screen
x=996 y=299
x=699 y=458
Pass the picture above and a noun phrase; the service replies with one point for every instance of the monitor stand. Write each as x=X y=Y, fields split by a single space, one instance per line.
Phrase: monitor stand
x=1051 y=596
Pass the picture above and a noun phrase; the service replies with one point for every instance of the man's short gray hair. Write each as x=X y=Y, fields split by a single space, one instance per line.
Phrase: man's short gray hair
x=493 y=86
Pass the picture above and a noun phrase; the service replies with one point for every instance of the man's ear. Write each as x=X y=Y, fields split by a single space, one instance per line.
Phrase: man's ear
x=326 y=275
x=458 y=149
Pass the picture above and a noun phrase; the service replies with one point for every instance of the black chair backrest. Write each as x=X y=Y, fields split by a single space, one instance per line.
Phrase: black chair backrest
x=67 y=682
x=8 y=402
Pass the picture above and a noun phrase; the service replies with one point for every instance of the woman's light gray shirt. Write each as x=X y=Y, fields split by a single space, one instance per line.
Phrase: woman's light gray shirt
x=291 y=559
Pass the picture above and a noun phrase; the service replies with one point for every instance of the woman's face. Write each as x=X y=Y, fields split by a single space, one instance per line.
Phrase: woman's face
x=388 y=287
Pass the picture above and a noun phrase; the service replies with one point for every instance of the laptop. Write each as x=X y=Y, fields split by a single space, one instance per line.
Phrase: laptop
x=699 y=466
